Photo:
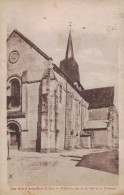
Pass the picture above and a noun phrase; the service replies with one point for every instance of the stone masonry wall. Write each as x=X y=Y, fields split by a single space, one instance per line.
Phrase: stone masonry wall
x=73 y=119
x=98 y=114
x=114 y=123
x=30 y=67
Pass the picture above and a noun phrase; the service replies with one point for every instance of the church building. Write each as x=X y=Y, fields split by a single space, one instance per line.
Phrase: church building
x=48 y=109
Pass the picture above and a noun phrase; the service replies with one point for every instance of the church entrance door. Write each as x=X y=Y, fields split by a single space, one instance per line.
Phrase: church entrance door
x=14 y=136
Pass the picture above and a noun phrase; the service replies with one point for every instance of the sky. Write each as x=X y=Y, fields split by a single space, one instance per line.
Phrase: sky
x=95 y=32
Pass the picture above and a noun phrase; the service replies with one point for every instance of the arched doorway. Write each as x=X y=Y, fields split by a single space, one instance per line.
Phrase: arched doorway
x=14 y=135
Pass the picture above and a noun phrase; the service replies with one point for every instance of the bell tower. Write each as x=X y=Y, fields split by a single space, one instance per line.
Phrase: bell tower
x=69 y=65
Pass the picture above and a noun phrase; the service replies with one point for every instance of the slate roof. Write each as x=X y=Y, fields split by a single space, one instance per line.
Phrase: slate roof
x=69 y=65
x=99 y=97
x=70 y=68
x=31 y=44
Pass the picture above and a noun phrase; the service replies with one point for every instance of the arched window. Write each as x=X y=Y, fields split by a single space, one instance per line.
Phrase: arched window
x=14 y=88
x=60 y=94
x=79 y=107
x=15 y=93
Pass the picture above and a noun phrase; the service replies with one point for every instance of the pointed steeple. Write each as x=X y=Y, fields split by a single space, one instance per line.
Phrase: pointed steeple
x=69 y=65
x=69 y=50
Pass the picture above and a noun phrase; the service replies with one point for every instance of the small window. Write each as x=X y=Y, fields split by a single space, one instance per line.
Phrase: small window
x=70 y=101
x=56 y=101
x=60 y=94
x=85 y=112
x=44 y=103
x=79 y=107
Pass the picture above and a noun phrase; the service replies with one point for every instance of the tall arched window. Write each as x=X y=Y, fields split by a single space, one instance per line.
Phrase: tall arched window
x=60 y=94
x=14 y=91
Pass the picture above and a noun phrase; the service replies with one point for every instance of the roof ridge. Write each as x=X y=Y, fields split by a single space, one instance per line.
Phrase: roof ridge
x=98 y=88
x=30 y=43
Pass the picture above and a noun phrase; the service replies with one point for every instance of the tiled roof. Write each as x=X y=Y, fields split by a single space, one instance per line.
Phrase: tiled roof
x=99 y=97
x=31 y=44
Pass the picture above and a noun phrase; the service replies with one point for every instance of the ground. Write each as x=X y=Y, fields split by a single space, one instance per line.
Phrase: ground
x=68 y=168
x=104 y=161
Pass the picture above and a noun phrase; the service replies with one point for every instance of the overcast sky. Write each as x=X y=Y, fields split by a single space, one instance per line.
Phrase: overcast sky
x=94 y=33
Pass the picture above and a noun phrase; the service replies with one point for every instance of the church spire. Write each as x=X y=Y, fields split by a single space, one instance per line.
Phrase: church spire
x=69 y=50
x=69 y=65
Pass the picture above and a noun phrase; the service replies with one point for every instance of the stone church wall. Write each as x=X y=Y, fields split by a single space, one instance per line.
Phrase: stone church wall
x=30 y=67
x=32 y=113
x=74 y=118
x=114 y=124
x=29 y=59
x=51 y=120
x=98 y=114
x=60 y=118
x=55 y=112
x=70 y=115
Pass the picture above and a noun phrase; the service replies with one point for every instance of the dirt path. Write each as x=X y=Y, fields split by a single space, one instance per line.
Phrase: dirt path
x=58 y=169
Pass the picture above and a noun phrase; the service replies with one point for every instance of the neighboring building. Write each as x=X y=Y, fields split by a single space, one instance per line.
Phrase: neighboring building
x=48 y=109
x=102 y=126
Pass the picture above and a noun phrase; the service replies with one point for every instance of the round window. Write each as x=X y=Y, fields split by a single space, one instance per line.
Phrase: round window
x=13 y=57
